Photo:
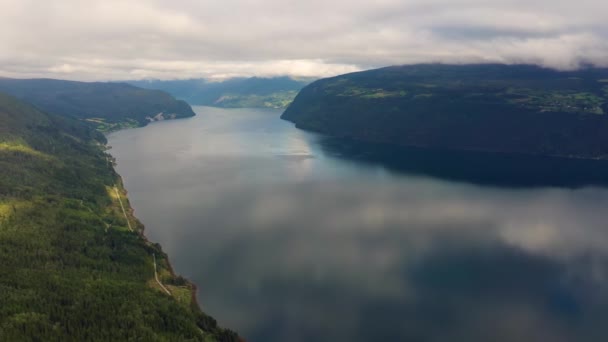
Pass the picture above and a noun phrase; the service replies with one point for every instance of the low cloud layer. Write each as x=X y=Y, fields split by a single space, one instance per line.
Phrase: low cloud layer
x=115 y=39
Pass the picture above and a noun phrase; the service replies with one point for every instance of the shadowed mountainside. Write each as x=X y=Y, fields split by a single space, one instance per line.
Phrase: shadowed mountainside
x=498 y=108
x=107 y=106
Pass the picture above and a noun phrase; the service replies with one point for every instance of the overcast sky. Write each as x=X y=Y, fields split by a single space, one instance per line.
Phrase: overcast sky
x=170 y=39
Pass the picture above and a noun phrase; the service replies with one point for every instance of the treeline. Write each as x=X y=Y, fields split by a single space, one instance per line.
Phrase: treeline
x=71 y=270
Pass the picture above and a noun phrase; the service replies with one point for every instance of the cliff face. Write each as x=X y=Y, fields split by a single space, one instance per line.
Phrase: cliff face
x=514 y=109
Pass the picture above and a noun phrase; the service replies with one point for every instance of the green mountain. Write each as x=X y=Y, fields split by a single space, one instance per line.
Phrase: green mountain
x=75 y=264
x=253 y=92
x=106 y=106
x=499 y=108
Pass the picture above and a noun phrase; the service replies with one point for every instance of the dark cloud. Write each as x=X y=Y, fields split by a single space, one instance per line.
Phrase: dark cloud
x=115 y=39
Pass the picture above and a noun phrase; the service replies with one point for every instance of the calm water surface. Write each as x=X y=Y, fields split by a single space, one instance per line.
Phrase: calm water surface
x=295 y=237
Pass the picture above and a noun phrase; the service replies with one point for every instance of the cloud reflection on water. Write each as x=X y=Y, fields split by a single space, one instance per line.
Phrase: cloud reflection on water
x=320 y=249
x=456 y=260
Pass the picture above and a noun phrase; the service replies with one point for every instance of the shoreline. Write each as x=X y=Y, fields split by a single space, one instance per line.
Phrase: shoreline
x=177 y=281
x=140 y=230
x=382 y=142
x=140 y=226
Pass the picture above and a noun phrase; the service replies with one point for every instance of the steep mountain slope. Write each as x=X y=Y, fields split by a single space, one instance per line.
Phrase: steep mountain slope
x=107 y=106
x=254 y=92
x=500 y=108
x=74 y=266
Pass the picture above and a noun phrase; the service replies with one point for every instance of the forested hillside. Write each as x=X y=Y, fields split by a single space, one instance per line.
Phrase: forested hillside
x=106 y=106
x=73 y=267
x=498 y=108
x=253 y=92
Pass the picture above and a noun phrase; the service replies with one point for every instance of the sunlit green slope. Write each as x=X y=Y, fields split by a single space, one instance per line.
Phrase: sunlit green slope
x=72 y=268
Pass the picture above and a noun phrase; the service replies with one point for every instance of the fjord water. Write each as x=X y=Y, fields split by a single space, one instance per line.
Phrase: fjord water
x=291 y=236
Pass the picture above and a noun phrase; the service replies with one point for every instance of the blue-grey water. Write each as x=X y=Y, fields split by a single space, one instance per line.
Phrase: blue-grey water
x=291 y=236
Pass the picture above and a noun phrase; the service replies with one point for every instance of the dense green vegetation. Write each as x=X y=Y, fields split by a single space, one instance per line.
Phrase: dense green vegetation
x=72 y=270
x=254 y=92
x=277 y=100
x=519 y=109
x=106 y=106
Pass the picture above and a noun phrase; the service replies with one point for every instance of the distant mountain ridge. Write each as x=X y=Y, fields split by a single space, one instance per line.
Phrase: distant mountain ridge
x=107 y=106
x=497 y=108
x=253 y=92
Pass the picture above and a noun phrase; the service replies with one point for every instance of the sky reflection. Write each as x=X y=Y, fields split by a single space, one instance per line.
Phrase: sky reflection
x=324 y=249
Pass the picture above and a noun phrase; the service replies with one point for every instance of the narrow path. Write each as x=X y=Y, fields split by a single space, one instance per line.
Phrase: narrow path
x=153 y=255
x=123 y=209
x=156 y=276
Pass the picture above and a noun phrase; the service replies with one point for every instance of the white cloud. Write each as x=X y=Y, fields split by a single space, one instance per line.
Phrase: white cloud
x=115 y=39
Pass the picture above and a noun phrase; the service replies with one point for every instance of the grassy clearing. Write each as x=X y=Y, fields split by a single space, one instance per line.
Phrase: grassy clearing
x=104 y=126
x=379 y=94
x=275 y=100
x=564 y=101
x=182 y=294
x=19 y=147
x=10 y=207
x=375 y=93
x=115 y=210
